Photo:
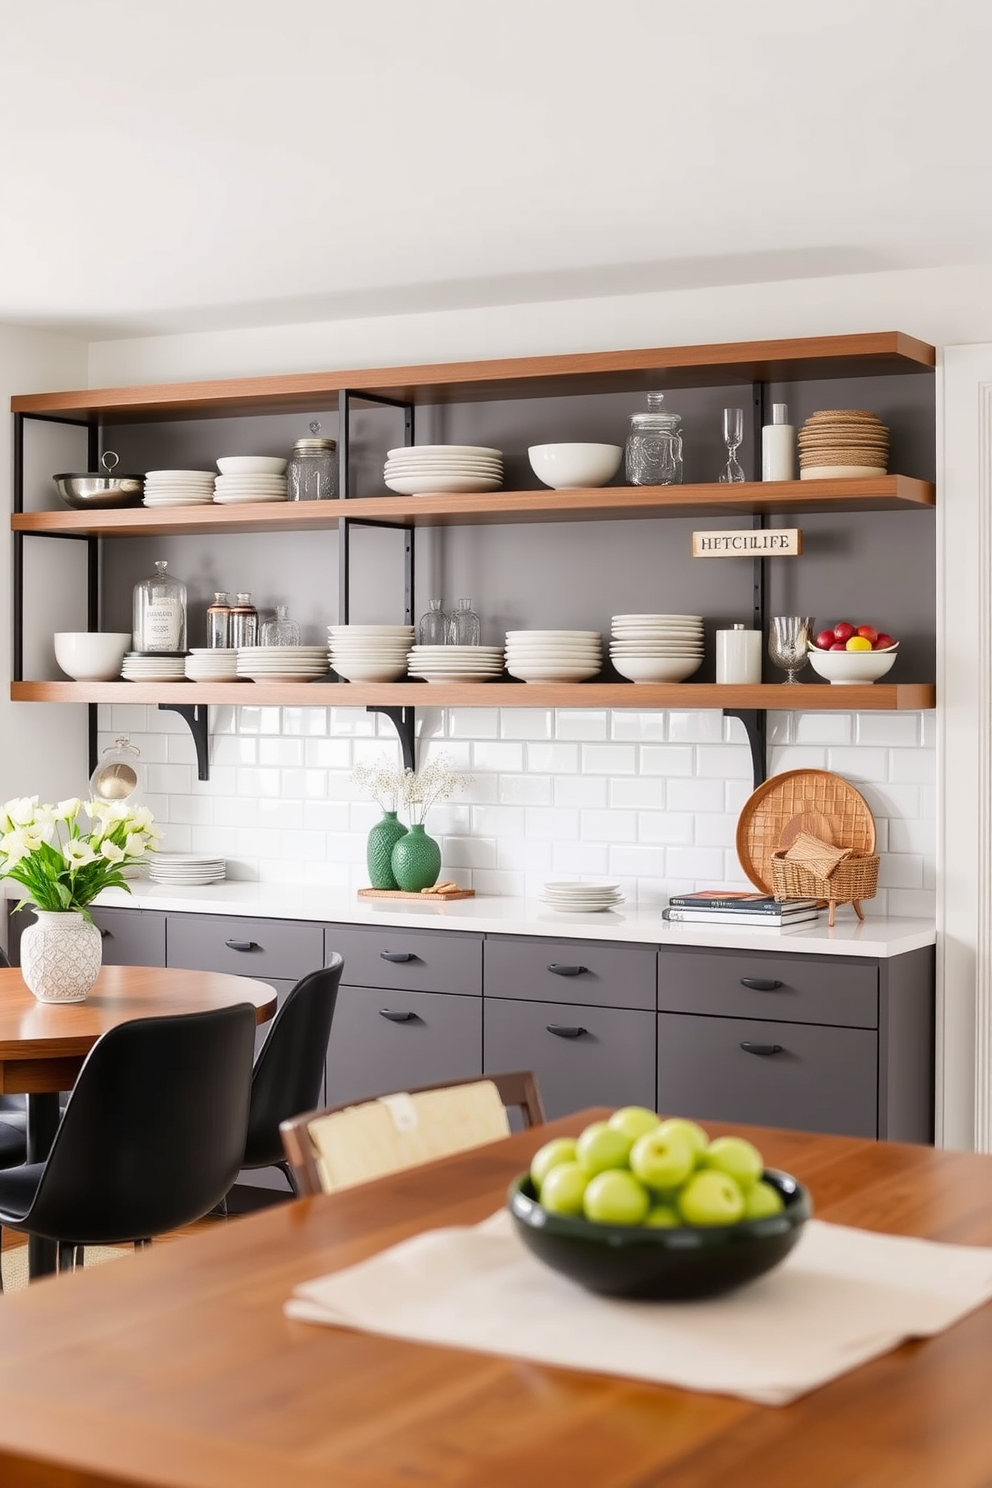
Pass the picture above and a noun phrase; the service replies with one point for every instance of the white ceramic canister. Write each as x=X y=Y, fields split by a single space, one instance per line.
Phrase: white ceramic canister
x=738 y=655
x=778 y=446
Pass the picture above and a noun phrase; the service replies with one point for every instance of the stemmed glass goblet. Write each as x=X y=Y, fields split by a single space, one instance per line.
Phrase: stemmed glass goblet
x=733 y=433
x=788 y=643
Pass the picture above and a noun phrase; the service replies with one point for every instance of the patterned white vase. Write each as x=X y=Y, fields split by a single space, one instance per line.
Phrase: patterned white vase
x=61 y=956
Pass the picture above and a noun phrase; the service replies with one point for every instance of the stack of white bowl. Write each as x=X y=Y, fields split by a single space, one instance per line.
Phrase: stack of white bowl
x=179 y=487
x=554 y=655
x=456 y=663
x=425 y=469
x=281 y=663
x=149 y=666
x=186 y=868
x=212 y=664
x=246 y=478
x=657 y=648
x=369 y=653
x=582 y=898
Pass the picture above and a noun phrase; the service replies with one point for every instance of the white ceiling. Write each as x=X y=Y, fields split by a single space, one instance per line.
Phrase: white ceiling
x=190 y=164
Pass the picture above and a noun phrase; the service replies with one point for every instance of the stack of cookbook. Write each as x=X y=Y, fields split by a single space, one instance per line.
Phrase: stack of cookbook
x=739 y=907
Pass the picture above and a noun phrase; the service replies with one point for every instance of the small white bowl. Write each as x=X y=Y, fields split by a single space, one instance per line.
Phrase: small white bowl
x=567 y=467
x=850 y=667
x=251 y=465
x=656 y=668
x=91 y=655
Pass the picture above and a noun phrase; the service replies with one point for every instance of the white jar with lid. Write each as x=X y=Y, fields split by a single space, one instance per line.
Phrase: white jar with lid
x=738 y=655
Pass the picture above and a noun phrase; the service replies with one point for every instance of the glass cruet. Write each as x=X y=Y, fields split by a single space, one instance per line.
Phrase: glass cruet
x=654 y=446
x=281 y=630
x=464 y=625
x=433 y=629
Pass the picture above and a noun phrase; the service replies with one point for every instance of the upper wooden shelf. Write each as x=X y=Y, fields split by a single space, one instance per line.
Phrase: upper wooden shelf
x=639 y=370
x=607 y=503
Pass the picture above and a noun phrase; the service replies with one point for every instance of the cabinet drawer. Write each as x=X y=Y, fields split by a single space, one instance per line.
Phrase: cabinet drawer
x=414 y=960
x=382 y=1041
x=285 y=949
x=582 y=971
x=131 y=937
x=608 y=1061
x=820 y=1079
x=800 y=989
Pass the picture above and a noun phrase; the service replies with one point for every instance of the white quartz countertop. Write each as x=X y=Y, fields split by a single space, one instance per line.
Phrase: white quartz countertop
x=876 y=936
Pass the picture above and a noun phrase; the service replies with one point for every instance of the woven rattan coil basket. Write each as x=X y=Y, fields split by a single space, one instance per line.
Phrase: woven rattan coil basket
x=854 y=879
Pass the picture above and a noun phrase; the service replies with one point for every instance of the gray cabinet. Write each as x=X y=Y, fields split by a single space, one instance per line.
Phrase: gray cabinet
x=580 y=971
x=286 y=949
x=389 y=1040
x=131 y=937
x=408 y=960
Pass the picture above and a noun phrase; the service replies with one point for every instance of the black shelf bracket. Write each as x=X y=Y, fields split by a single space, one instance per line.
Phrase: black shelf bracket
x=755 y=721
x=195 y=717
x=404 y=721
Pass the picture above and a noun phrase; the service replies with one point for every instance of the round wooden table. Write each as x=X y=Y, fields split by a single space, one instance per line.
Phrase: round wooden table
x=43 y=1044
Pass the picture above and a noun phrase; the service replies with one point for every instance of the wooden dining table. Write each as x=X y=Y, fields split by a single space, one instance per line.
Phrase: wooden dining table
x=43 y=1044
x=177 y=1368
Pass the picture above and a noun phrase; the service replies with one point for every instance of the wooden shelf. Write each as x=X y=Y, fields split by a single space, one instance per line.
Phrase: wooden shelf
x=606 y=503
x=803 y=697
x=640 y=370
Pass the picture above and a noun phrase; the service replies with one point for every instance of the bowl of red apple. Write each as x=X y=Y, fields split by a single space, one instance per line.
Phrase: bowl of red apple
x=640 y=1207
x=849 y=654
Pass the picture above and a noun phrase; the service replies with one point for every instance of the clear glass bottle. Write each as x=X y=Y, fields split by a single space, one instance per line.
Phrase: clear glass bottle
x=244 y=621
x=311 y=473
x=434 y=626
x=464 y=625
x=219 y=620
x=280 y=630
x=654 y=446
x=159 y=612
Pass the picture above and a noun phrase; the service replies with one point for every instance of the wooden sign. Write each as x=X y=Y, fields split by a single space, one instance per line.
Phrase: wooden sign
x=751 y=542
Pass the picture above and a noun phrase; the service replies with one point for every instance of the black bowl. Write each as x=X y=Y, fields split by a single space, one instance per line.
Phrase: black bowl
x=673 y=1264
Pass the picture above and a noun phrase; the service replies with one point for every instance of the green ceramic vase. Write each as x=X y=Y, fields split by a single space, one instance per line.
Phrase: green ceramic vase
x=416 y=860
x=382 y=838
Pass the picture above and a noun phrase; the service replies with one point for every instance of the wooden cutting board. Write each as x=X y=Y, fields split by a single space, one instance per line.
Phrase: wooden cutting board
x=444 y=894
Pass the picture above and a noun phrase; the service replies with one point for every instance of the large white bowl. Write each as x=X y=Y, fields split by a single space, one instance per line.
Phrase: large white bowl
x=851 y=667
x=91 y=655
x=251 y=465
x=567 y=467
x=656 y=668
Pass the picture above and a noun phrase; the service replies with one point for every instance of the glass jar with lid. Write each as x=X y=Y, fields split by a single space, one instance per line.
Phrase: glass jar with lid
x=244 y=621
x=311 y=473
x=280 y=630
x=159 y=616
x=654 y=446
x=219 y=620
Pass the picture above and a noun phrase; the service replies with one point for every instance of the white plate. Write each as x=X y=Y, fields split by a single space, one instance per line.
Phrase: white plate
x=442 y=484
x=551 y=673
x=445 y=449
x=423 y=469
x=554 y=635
x=181 y=475
x=370 y=630
x=246 y=500
x=454 y=676
x=656 y=618
x=281 y=676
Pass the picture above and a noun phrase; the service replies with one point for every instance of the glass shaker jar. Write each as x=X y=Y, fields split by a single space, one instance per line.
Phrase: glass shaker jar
x=465 y=627
x=311 y=474
x=281 y=630
x=219 y=621
x=244 y=621
x=159 y=614
x=654 y=446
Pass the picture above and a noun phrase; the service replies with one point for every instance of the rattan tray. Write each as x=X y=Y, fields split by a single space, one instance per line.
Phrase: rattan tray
x=814 y=801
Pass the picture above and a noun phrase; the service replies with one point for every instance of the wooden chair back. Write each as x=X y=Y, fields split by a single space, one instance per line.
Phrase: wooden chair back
x=344 y=1145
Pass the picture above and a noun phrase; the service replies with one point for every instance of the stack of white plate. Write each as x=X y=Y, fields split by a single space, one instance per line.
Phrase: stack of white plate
x=281 y=663
x=147 y=666
x=369 y=653
x=657 y=648
x=424 y=469
x=212 y=664
x=456 y=663
x=554 y=655
x=179 y=487
x=237 y=489
x=186 y=868
x=582 y=898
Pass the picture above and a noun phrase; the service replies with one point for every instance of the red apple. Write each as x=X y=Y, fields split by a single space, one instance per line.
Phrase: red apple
x=868 y=632
x=843 y=631
x=838 y=646
x=882 y=642
x=824 y=640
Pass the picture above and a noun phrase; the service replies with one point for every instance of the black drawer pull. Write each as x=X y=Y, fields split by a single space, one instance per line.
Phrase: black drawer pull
x=242 y=945
x=761 y=984
x=397 y=956
x=566 y=1030
x=558 y=969
x=104 y=931
x=406 y=1017
x=761 y=1048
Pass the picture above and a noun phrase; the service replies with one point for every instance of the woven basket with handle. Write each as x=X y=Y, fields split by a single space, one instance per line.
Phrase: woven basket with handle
x=853 y=879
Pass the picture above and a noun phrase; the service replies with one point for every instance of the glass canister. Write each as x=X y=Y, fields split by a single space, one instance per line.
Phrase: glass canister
x=159 y=618
x=219 y=620
x=465 y=625
x=280 y=630
x=311 y=474
x=434 y=626
x=654 y=446
x=244 y=621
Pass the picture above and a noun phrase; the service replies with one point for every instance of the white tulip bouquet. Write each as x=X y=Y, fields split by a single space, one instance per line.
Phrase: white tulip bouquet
x=62 y=867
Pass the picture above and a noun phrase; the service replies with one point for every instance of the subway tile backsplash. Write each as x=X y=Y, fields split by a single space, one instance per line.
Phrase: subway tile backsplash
x=649 y=799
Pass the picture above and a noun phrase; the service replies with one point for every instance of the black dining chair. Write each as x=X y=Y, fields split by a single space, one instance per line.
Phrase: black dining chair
x=151 y=1138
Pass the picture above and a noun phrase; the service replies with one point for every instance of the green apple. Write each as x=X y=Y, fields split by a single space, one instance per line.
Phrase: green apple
x=615 y=1197
x=633 y=1121
x=711 y=1198
x=662 y=1159
x=601 y=1146
x=663 y=1217
x=693 y=1133
x=736 y=1156
x=560 y=1150
x=762 y=1200
x=563 y=1189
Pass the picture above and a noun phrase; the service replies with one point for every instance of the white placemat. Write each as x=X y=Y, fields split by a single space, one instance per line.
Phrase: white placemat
x=840 y=1298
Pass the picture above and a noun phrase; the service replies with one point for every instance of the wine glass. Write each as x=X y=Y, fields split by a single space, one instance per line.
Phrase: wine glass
x=788 y=643
x=733 y=433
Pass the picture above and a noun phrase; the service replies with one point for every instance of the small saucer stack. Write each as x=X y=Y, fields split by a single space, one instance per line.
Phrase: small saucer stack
x=212 y=664
x=427 y=469
x=281 y=663
x=582 y=898
x=843 y=443
x=186 y=868
x=456 y=663
x=179 y=488
x=154 y=666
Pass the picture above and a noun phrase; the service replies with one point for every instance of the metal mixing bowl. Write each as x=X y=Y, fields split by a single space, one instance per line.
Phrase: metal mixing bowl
x=108 y=489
